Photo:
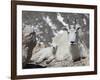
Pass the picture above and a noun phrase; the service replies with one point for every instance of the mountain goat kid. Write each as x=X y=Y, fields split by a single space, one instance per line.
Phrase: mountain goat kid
x=46 y=54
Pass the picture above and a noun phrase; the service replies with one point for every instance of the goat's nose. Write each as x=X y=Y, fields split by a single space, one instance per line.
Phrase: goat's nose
x=72 y=42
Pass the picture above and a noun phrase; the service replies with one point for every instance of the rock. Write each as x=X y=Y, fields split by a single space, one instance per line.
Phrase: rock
x=28 y=43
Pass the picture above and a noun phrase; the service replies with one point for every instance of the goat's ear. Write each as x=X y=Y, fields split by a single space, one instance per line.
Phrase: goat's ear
x=78 y=26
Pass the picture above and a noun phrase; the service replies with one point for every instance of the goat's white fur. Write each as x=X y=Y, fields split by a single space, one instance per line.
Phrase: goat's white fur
x=44 y=53
x=63 y=51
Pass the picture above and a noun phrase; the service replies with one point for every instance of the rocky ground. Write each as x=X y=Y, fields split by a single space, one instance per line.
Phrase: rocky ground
x=64 y=63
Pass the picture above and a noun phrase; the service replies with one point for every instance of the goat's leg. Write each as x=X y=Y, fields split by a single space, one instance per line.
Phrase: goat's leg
x=40 y=59
x=50 y=59
x=83 y=51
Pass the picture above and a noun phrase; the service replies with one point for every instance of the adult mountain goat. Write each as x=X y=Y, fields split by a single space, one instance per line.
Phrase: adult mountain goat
x=71 y=37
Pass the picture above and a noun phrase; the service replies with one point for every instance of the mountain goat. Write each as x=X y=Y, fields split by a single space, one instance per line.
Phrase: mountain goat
x=44 y=54
x=75 y=45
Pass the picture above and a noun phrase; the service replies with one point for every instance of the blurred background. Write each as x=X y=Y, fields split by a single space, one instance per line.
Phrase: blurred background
x=46 y=25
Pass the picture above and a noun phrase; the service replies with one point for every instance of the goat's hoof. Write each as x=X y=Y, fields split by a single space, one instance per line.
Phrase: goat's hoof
x=83 y=57
x=47 y=62
x=78 y=59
